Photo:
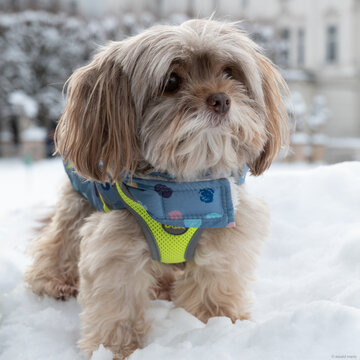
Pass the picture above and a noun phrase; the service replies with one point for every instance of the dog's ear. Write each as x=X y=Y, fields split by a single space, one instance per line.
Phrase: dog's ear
x=99 y=124
x=276 y=117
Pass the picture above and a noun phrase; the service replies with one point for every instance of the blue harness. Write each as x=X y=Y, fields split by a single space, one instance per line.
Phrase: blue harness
x=174 y=205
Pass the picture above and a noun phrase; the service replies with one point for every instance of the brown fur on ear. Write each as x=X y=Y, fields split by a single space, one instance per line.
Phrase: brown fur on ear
x=98 y=123
x=274 y=88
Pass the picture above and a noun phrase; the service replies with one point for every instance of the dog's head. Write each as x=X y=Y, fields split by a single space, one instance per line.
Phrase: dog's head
x=190 y=100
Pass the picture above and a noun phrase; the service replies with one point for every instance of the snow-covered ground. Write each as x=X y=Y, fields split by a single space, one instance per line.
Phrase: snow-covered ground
x=307 y=294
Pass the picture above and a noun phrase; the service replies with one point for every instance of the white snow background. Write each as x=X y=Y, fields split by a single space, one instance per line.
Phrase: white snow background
x=307 y=297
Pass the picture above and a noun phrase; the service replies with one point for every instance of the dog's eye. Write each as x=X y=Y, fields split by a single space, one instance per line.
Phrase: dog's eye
x=173 y=84
x=228 y=71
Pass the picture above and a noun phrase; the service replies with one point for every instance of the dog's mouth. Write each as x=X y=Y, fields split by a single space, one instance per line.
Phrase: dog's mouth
x=216 y=121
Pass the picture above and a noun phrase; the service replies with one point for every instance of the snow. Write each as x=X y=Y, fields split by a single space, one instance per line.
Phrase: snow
x=350 y=143
x=307 y=303
x=20 y=100
x=319 y=113
x=298 y=102
x=319 y=139
x=102 y=354
x=34 y=133
x=299 y=138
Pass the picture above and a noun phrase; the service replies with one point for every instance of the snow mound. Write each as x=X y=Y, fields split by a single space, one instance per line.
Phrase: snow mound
x=307 y=295
x=102 y=354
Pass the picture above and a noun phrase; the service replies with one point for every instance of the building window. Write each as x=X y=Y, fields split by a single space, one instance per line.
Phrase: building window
x=331 y=44
x=301 y=48
x=284 y=59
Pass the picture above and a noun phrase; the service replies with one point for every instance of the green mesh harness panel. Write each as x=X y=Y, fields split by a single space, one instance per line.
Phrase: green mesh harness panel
x=168 y=244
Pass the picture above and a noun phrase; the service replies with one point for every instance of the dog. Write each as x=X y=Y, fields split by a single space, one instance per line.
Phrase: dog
x=197 y=102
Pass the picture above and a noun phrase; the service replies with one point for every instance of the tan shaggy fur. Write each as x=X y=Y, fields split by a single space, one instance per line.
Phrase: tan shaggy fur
x=120 y=111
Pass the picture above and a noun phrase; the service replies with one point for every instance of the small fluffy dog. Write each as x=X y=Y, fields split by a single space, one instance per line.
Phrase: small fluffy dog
x=193 y=101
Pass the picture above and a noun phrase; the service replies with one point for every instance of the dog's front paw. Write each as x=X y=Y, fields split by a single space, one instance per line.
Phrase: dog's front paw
x=203 y=314
x=124 y=354
x=66 y=291
x=118 y=353
x=42 y=283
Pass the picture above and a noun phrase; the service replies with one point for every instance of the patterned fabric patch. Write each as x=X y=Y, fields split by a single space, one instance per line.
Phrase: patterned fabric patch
x=206 y=195
x=175 y=215
x=105 y=187
x=163 y=190
x=195 y=223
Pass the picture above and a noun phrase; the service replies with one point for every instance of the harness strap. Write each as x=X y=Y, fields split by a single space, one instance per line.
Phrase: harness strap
x=168 y=244
x=106 y=209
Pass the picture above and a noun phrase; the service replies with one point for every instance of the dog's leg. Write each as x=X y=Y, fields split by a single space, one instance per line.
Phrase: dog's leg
x=116 y=275
x=56 y=249
x=216 y=282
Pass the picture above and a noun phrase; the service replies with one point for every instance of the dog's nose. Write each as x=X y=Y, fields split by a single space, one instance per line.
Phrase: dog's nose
x=220 y=103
